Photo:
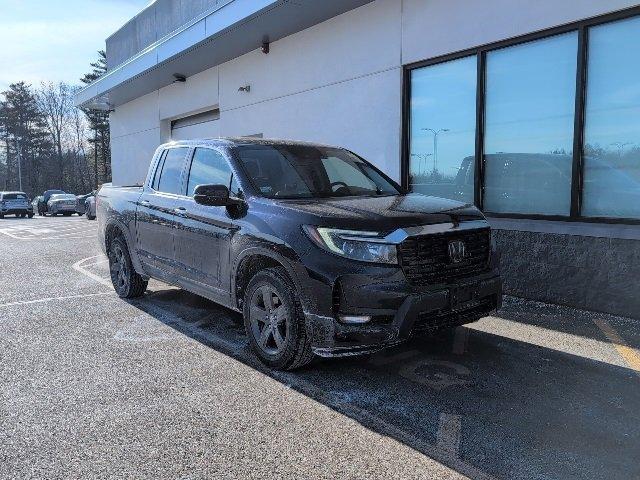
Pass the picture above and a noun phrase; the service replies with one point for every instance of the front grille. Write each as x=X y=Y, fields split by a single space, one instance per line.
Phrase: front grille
x=425 y=259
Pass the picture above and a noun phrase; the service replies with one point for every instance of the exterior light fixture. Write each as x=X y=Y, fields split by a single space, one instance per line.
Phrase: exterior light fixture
x=179 y=78
x=265 y=47
x=246 y=88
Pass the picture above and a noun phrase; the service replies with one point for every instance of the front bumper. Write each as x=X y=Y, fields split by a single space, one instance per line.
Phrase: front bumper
x=404 y=313
x=16 y=211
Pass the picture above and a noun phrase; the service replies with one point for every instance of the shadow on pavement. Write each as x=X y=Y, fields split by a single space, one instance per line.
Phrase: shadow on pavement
x=502 y=408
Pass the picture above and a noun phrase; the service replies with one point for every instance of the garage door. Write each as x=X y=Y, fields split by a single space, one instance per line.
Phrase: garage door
x=202 y=125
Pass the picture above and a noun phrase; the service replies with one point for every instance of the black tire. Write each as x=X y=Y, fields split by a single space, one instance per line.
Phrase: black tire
x=30 y=215
x=67 y=214
x=294 y=350
x=126 y=281
x=1 y=216
x=91 y=217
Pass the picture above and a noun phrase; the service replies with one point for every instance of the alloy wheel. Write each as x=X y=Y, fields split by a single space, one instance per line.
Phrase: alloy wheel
x=269 y=319
x=119 y=268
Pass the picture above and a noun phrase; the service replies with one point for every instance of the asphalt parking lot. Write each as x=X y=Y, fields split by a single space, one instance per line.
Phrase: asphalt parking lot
x=92 y=386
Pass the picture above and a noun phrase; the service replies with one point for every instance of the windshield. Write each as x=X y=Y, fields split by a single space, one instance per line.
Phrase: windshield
x=14 y=196
x=66 y=196
x=300 y=171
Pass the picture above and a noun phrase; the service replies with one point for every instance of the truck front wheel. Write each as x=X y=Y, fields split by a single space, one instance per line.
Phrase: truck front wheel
x=274 y=321
x=126 y=281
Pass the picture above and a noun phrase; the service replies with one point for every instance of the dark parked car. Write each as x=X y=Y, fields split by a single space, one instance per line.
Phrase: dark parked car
x=46 y=196
x=15 y=203
x=321 y=252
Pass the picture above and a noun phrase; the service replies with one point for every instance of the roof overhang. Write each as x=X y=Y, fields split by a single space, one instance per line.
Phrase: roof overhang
x=213 y=38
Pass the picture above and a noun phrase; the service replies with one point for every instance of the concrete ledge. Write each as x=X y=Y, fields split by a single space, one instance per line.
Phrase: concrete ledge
x=582 y=229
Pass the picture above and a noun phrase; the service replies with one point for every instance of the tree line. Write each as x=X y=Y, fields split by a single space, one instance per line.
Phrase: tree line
x=48 y=143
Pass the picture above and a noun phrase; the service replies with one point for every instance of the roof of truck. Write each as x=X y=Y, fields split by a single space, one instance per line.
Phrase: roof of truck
x=235 y=141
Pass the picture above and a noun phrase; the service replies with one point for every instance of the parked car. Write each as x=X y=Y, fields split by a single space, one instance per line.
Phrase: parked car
x=90 y=207
x=35 y=204
x=82 y=202
x=321 y=252
x=62 y=203
x=15 y=203
x=46 y=196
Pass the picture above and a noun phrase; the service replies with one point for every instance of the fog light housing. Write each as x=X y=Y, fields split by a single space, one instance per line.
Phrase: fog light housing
x=355 y=319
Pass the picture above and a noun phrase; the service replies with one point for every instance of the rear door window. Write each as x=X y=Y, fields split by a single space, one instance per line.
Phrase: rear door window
x=171 y=175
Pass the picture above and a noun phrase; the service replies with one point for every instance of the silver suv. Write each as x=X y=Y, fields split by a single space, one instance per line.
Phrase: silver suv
x=15 y=203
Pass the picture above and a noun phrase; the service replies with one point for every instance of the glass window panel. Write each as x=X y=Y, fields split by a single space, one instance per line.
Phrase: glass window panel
x=209 y=167
x=443 y=126
x=156 y=178
x=529 y=115
x=611 y=175
x=170 y=178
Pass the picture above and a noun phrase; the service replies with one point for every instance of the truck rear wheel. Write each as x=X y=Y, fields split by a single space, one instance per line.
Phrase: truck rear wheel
x=126 y=281
x=274 y=321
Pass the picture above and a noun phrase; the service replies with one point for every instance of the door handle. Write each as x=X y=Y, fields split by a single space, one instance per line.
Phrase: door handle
x=180 y=211
x=144 y=203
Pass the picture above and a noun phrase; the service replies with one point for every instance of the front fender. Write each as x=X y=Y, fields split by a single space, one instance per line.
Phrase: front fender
x=308 y=289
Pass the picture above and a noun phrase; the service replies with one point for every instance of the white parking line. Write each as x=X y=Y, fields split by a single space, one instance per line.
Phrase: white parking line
x=51 y=299
x=80 y=265
x=47 y=229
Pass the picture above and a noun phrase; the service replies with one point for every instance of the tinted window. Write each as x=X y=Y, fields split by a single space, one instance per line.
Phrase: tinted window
x=13 y=196
x=209 y=167
x=295 y=171
x=170 y=178
x=443 y=122
x=529 y=116
x=611 y=186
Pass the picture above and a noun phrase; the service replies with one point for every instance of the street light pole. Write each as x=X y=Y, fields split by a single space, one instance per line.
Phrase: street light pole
x=422 y=158
x=435 y=145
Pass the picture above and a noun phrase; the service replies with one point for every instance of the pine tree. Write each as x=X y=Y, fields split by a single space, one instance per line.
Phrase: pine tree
x=99 y=125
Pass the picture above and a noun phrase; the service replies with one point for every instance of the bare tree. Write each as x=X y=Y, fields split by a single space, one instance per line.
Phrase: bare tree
x=55 y=103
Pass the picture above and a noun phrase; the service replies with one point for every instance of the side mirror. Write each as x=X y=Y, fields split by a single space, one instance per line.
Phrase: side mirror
x=214 y=196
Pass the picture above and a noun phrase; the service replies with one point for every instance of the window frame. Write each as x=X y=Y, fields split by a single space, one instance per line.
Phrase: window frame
x=582 y=29
x=227 y=154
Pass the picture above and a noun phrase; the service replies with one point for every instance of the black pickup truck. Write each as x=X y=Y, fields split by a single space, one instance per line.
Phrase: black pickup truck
x=321 y=252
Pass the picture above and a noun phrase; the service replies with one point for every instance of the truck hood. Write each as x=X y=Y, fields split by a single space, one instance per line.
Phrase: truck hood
x=385 y=213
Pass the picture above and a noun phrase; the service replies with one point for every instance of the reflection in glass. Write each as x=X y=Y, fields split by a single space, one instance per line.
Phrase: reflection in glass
x=529 y=115
x=611 y=178
x=443 y=123
x=209 y=167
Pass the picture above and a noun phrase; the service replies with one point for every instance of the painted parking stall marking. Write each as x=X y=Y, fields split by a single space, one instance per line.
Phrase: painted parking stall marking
x=47 y=228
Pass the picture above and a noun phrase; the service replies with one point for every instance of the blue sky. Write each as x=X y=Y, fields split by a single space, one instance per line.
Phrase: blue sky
x=42 y=40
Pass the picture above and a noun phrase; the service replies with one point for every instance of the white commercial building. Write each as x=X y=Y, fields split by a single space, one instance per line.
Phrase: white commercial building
x=530 y=109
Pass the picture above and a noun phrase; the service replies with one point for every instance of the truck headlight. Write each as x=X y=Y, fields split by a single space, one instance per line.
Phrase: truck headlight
x=356 y=245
